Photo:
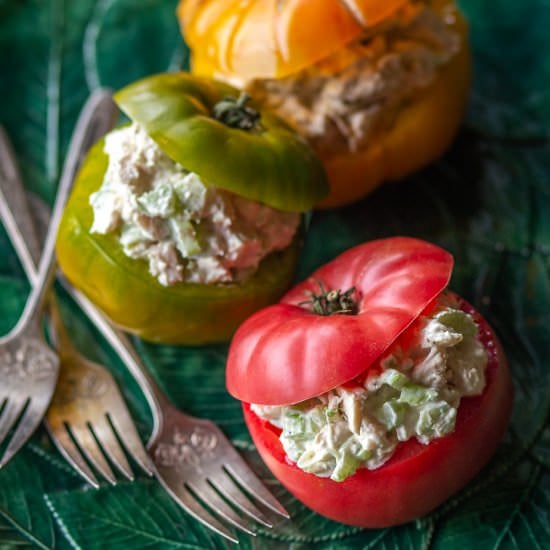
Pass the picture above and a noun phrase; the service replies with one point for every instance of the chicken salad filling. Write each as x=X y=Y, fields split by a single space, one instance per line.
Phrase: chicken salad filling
x=345 y=99
x=186 y=229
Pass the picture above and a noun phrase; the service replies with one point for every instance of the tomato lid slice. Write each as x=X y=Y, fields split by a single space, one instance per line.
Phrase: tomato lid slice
x=273 y=38
x=271 y=164
x=285 y=353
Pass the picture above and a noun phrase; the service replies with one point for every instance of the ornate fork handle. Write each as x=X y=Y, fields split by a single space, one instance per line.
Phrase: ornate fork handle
x=28 y=363
x=84 y=135
x=96 y=119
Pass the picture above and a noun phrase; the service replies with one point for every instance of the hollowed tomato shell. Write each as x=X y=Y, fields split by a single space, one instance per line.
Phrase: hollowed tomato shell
x=424 y=129
x=418 y=477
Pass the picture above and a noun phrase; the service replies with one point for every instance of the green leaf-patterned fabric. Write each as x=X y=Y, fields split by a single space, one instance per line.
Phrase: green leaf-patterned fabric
x=487 y=201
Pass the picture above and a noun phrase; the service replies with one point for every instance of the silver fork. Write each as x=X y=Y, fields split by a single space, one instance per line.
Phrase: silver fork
x=88 y=408
x=195 y=462
x=86 y=401
x=28 y=366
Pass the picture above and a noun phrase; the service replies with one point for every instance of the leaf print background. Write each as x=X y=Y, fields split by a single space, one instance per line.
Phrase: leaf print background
x=487 y=201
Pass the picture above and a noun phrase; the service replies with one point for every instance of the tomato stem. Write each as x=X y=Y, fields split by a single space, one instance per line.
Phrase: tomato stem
x=235 y=113
x=331 y=302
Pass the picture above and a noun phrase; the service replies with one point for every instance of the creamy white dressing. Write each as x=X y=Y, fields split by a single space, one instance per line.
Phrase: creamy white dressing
x=416 y=394
x=185 y=229
x=343 y=108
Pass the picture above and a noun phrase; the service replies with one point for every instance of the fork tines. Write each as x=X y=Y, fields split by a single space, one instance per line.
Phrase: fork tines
x=90 y=423
x=212 y=483
x=22 y=410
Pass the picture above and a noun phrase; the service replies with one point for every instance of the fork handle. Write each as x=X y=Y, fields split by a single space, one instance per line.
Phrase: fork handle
x=97 y=113
x=14 y=210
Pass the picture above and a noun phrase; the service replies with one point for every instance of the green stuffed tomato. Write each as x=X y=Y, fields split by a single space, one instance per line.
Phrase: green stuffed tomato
x=134 y=300
x=201 y=126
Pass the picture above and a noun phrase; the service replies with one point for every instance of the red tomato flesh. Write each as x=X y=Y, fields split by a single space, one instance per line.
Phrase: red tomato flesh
x=418 y=477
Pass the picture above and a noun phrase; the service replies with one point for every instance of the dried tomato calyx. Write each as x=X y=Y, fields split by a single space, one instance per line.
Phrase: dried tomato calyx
x=235 y=113
x=331 y=302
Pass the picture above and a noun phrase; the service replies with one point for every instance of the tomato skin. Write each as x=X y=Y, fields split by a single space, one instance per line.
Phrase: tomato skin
x=286 y=353
x=418 y=477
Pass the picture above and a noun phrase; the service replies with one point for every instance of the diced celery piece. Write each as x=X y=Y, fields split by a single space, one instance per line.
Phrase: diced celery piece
x=191 y=192
x=320 y=462
x=405 y=431
x=394 y=378
x=316 y=418
x=303 y=426
x=458 y=320
x=415 y=395
x=346 y=464
x=132 y=236
x=184 y=235
x=159 y=202
x=392 y=413
x=295 y=427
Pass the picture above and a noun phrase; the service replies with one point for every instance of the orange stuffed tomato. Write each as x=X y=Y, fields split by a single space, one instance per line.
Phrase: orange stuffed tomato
x=371 y=391
x=378 y=88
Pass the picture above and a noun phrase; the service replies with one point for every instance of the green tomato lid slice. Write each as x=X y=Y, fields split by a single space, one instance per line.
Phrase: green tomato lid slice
x=204 y=126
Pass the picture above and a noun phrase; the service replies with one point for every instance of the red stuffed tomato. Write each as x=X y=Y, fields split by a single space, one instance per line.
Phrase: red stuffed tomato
x=332 y=331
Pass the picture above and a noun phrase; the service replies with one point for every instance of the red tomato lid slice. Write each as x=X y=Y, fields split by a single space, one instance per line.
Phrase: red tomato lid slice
x=285 y=353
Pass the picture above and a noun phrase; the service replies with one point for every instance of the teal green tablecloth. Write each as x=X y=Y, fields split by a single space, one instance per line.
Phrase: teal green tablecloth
x=487 y=201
